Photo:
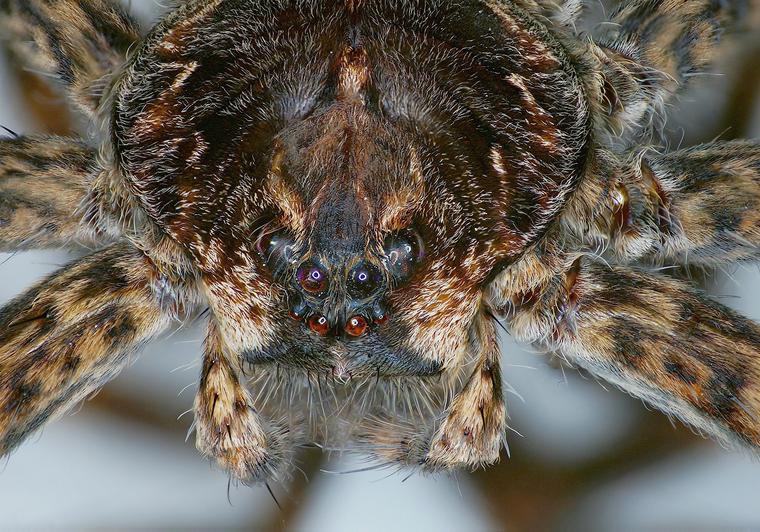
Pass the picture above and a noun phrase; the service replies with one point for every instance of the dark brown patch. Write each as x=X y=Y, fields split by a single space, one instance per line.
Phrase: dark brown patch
x=22 y=396
x=680 y=372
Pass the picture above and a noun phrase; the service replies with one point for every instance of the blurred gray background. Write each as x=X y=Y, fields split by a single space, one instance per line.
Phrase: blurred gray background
x=586 y=457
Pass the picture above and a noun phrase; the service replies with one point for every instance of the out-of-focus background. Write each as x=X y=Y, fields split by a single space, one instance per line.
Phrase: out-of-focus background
x=586 y=456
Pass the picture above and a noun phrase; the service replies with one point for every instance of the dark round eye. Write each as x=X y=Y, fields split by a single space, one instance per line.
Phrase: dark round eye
x=312 y=277
x=404 y=251
x=276 y=248
x=364 y=280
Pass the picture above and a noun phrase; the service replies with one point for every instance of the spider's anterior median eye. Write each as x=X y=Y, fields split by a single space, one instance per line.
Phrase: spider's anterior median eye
x=404 y=251
x=276 y=248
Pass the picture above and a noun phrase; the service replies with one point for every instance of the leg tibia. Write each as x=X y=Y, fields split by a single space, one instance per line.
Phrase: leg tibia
x=43 y=181
x=78 y=41
x=700 y=205
x=656 y=338
x=653 y=48
x=69 y=335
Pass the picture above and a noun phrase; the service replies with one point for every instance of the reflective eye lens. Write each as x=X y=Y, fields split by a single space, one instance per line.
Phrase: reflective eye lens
x=364 y=280
x=319 y=325
x=312 y=278
x=356 y=326
x=404 y=251
x=275 y=247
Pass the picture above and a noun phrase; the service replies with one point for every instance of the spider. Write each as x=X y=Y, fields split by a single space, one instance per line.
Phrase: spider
x=355 y=196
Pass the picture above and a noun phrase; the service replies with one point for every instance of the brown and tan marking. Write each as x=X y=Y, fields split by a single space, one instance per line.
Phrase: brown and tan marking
x=43 y=182
x=70 y=334
x=351 y=189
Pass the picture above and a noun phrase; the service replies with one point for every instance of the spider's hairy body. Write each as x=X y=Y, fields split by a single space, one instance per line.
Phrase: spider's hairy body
x=355 y=190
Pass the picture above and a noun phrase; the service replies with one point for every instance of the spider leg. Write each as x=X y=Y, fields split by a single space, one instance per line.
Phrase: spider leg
x=652 y=48
x=699 y=205
x=655 y=337
x=228 y=427
x=43 y=182
x=66 y=337
x=80 y=42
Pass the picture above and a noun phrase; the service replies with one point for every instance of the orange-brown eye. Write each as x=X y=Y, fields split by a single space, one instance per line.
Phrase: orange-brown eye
x=364 y=280
x=312 y=278
x=319 y=325
x=356 y=326
x=404 y=251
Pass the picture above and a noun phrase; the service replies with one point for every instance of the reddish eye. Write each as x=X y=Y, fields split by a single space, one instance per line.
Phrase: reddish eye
x=312 y=278
x=356 y=326
x=404 y=251
x=319 y=325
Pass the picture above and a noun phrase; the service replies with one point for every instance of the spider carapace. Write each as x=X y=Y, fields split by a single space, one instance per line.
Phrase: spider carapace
x=355 y=195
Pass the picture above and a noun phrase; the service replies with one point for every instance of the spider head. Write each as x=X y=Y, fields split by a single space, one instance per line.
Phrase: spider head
x=357 y=248
x=347 y=191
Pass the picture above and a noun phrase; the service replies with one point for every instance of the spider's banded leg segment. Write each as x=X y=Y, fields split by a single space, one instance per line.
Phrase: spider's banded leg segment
x=472 y=433
x=66 y=337
x=656 y=338
x=80 y=42
x=700 y=205
x=228 y=428
x=654 y=47
x=43 y=181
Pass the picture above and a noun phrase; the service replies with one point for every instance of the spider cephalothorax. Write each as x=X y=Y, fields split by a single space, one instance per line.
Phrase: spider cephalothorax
x=356 y=190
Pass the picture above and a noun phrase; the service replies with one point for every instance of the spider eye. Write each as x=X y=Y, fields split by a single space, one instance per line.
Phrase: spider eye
x=312 y=277
x=275 y=248
x=404 y=251
x=364 y=280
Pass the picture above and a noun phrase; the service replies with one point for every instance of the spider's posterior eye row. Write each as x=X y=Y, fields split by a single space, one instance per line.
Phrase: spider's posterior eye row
x=276 y=248
x=404 y=251
x=312 y=277
x=364 y=280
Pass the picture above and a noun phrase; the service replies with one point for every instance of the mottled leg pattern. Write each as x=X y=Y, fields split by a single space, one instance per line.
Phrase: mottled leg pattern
x=228 y=427
x=70 y=334
x=699 y=205
x=655 y=337
x=43 y=181
x=81 y=42
x=653 y=47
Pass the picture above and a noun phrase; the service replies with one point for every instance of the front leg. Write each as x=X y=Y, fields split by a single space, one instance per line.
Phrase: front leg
x=73 y=332
x=43 y=185
x=656 y=338
x=466 y=431
x=79 y=42
x=228 y=427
